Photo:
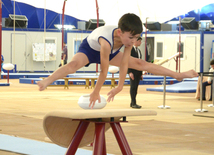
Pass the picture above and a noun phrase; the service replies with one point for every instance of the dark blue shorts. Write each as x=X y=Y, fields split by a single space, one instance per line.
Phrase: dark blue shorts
x=93 y=55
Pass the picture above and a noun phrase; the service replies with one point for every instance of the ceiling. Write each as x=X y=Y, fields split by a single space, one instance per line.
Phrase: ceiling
x=110 y=10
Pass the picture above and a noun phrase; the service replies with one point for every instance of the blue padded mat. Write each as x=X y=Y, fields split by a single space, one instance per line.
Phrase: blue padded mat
x=4 y=84
x=33 y=147
x=181 y=87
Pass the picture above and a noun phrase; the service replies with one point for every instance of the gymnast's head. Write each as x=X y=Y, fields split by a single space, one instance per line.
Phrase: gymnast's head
x=129 y=29
x=130 y=23
x=212 y=63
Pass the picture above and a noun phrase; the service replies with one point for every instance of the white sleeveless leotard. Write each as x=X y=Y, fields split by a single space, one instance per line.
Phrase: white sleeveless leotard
x=107 y=33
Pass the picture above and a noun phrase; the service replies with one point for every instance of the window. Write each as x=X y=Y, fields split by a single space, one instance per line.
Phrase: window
x=77 y=43
x=50 y=40
x=159 y=53
x=181 y=50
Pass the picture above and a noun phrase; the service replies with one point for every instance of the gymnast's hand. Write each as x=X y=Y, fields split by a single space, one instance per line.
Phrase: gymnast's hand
x=131 y=75
x=93 y=98
x=42 y=85
x=112 y=93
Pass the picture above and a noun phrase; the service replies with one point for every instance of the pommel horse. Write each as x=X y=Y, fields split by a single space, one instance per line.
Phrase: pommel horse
x=77 y=128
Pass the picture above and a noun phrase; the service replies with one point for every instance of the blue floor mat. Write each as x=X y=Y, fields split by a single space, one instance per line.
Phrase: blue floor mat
x=33 y=147
x=4 y=84
x=182 y=87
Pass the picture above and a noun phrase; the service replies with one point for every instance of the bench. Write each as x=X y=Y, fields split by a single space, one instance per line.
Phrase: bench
x=87 y=83
x=66 y=84
x=108 y=78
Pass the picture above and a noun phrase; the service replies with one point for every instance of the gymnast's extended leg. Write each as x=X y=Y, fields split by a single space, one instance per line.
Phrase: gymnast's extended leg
x=142 y=65
x=78 y=61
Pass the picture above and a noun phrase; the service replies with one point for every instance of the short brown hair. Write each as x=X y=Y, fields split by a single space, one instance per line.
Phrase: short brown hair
x=130 y=23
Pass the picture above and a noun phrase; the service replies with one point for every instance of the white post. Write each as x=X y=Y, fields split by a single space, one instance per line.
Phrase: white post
x=164 y=96
x=201 y=110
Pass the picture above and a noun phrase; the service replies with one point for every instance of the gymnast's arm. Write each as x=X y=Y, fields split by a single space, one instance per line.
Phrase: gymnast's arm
x=122 y=74
x=104 y=59
x=124 y=67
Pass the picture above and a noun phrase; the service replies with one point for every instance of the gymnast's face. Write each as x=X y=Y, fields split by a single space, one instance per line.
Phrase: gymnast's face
x=128 y=39
x=212 y=66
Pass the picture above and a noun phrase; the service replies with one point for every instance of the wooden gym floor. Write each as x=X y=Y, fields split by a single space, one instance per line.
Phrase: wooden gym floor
x=173 y=131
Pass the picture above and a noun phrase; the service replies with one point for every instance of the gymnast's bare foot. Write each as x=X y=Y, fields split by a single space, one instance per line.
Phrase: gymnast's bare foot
x=187 y=74
x=42 y=84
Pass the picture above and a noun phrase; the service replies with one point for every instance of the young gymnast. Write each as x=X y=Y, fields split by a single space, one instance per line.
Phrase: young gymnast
x=103 y=46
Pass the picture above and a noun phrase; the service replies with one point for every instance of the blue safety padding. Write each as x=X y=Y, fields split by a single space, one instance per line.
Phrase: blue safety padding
x=34 y=147
x=57 y=82
x=182 y=87
x=4 y=84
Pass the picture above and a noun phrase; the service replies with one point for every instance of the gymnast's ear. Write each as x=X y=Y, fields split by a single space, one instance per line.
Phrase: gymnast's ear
x=119 y=32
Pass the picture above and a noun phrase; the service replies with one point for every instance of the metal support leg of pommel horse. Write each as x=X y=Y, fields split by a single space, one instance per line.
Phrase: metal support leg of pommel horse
x=99 y=146
x=72 y=148
x=121 y=139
